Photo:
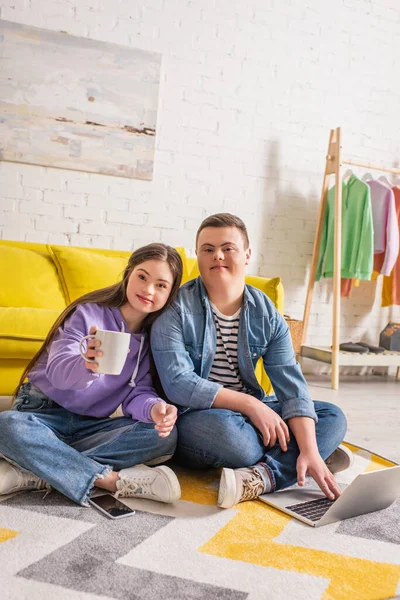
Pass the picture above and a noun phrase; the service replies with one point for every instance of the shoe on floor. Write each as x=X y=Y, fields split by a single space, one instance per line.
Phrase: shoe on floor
x=352 y=347
x=12 y=479
x=340 y=460
x=371 y=348
x=151 y=483
x=239 y=485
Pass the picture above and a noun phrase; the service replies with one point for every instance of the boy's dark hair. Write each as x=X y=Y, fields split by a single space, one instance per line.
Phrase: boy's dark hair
x=225 y=220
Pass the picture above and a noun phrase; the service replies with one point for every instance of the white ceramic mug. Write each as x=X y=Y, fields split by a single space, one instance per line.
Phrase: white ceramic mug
x=114 y=346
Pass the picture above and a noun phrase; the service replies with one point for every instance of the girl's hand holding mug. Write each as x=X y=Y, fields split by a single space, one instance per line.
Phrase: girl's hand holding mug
x=110 y=359
x=164 y=416
x=92 y=351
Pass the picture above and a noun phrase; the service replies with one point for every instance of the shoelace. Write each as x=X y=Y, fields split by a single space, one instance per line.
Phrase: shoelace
x=252 y=487
x=130 y=487
x=34 y=483
x=39 y=485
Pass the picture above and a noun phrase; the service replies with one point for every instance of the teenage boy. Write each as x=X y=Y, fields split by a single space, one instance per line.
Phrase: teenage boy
x=206 y=346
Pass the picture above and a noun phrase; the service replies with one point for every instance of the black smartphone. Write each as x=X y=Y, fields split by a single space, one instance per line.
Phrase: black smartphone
x=110 y=506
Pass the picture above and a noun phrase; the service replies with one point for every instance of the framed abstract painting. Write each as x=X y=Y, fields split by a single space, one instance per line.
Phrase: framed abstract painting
x=76 y=103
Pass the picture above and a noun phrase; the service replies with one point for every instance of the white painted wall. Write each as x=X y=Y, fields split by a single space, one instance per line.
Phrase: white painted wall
x=249 y=92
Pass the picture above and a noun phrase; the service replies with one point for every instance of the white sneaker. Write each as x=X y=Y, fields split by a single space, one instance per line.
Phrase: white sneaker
x=157 y=483
x=13 y=479
x=341 y=459
x=239 y=485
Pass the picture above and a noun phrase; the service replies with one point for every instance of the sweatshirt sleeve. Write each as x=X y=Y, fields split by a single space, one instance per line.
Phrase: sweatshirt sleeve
x=65 y=367
x=143 y=396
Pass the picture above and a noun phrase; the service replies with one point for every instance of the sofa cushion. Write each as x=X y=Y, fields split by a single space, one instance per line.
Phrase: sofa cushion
x=85 y=270
x=263 y=378
x=23 y=330
x=271 y=288
x=193 y=268
x=29 y=279
x=185 y=271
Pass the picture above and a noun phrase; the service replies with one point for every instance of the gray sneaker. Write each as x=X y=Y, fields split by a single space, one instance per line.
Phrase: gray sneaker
x=340 y=460
x=156 y=483
x=239 y=485
x=12 y=479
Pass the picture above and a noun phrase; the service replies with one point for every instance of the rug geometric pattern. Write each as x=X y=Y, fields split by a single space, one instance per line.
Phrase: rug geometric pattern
x=52 y=548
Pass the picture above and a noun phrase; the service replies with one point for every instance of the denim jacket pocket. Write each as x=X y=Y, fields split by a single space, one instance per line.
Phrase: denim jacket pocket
x=30 y=398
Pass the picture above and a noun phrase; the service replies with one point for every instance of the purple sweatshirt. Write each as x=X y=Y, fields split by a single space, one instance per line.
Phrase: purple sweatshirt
x=61 y=374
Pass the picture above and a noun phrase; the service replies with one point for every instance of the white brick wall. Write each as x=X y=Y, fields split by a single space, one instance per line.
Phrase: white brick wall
x=249 y=92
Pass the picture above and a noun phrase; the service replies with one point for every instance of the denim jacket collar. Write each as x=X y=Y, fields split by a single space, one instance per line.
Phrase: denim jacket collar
x=247 y=297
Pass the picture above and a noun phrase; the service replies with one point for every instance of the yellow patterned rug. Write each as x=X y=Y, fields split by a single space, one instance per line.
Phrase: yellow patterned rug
x=51 y=548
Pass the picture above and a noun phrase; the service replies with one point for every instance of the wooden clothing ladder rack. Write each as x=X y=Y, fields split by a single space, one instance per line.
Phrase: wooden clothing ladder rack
x=333 y=355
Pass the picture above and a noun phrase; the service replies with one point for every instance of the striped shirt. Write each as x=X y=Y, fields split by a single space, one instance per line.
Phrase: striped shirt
x=225 y=368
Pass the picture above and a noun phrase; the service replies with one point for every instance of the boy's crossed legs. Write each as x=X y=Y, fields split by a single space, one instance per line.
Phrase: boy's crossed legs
x=215 y=438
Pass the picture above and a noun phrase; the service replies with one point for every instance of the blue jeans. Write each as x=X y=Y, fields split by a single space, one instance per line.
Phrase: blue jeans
x=71 y=451
x=218 y=437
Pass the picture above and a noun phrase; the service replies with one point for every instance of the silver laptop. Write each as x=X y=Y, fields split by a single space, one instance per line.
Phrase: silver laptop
x=368 y=492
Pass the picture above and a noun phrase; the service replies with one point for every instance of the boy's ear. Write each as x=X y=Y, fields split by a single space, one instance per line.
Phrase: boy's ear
x=248 y=255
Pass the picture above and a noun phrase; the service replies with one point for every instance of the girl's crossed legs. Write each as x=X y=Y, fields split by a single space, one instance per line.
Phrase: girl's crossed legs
x=73 y=453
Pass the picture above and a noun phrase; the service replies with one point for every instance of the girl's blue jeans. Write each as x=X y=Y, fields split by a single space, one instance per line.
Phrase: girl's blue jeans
x=222 y=438
x=71 y=451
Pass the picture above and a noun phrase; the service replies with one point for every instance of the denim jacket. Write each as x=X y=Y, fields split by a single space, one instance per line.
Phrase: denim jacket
x=183 y=342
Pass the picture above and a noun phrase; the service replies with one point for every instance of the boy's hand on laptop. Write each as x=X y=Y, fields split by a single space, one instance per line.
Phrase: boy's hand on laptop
x=164 y=416
x=311 y=463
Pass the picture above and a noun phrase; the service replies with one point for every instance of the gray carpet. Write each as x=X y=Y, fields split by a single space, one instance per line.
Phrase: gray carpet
x=89 y=563
x=50 y=548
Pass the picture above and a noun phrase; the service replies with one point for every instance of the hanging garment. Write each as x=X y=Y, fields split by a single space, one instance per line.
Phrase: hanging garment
x=386 y=228
x=346 y=287
x=391 y=284
x=357 y=232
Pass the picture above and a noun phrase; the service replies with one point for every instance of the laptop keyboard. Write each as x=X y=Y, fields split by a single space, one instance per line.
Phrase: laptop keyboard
x=313 y=509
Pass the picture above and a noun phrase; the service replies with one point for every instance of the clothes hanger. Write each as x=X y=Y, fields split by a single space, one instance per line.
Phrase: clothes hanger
x=367 y=177
x=347 y=175
x=384 y=179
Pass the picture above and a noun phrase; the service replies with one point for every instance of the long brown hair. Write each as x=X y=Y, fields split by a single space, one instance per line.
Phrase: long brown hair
x=115 y=295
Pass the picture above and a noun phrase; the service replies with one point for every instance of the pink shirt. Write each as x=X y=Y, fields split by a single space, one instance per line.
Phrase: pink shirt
x=386 y=228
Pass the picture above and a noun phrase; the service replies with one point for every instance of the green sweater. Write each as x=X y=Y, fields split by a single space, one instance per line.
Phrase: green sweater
x=357 y=232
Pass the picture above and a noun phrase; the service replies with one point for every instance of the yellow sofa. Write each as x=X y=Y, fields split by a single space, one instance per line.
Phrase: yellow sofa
x=39 y=280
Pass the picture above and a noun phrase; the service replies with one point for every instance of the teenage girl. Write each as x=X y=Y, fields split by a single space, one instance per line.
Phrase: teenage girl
x=59 y=432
